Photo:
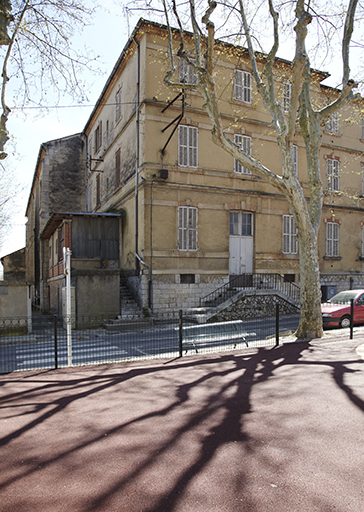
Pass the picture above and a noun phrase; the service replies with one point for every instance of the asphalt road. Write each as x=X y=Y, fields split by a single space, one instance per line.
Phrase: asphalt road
x=98 y=346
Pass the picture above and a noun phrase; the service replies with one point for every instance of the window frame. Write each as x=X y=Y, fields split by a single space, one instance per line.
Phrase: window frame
x=118 y=115
x=332 y=174
x=289 y=235
x=98 y=138
x=187 y=228
x=295 y=158
x=187 y=74
x=117 y=167
x=332 y=239
x=332 y=124
x=243 y=86
x=245 y=142
x=286 y=96
x=187 y=146
x=98 y=190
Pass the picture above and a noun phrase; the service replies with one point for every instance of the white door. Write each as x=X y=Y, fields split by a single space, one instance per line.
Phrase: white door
x=241 y=243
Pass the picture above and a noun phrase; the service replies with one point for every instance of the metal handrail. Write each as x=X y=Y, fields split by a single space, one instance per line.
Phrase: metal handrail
x=251 y=281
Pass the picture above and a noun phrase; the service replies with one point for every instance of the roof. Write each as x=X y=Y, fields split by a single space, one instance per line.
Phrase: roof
x=58 y=217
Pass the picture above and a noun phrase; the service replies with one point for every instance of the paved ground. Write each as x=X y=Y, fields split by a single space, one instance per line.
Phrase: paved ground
x=258 y=430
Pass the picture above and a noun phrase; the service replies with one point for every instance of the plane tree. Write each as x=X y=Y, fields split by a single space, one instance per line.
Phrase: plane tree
x=37 y=53
x=302 y=114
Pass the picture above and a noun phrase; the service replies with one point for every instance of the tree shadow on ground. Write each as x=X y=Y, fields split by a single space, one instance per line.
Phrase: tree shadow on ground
x=216 y=416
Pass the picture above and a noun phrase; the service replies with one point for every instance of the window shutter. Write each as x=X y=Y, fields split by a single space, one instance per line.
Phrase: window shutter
x=329 y=239
x=335 y=242
x=117 y=168
x=187 y=228
x=238 y=84
x=286 y=229
x=329 y=174
x=193 y=136
x=192 y=231
x=247 y=87
x=237 y=166
x=295 y=159
x=182 y=145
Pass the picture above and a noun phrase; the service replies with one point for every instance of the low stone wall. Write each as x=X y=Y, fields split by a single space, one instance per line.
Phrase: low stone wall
x=252 y=306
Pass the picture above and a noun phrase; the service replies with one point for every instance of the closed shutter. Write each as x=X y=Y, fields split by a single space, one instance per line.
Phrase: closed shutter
x=183 y=145
x=187 y=228
x=238 y=85
x=247 y=88
x=187 y=146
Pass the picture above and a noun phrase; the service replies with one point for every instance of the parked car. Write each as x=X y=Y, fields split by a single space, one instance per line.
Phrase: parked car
x=336 y=311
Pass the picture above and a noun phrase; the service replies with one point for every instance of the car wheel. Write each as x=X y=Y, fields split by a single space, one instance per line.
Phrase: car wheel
x=345 y=321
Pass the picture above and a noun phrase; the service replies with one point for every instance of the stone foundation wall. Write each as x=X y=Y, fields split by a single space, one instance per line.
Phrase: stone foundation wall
x=170 y=293
x=253 y=306
x=343 y=281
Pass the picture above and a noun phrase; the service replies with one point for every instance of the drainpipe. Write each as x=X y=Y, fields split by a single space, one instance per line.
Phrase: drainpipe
x=138 y=259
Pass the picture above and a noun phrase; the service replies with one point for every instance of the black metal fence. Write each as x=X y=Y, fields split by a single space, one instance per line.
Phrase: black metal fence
x=43 y=342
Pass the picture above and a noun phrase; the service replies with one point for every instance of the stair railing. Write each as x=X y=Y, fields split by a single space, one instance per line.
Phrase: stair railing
x=251 y=281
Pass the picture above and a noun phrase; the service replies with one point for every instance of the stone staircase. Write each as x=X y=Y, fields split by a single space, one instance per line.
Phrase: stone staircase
x=130 y=312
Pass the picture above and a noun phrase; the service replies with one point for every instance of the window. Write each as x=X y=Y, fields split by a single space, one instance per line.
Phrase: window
x=187 y=146
x=90 y=198
x=362 y=242
x=287 y=88
x=107 y=133
x=332 y=239
x=98 y=137
x=332 y=124
x=295 y=159
x=245 y=143
x=187 y=278
x=187 y=228
x=242 y=86
x=241 y=224
x=332 y=174
x=118 y=105
x=117 y=168
x=186 y=73
x=98 y=190
x=289 y=235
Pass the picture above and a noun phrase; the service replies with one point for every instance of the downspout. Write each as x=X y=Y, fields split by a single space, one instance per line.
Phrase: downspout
x=138 y=260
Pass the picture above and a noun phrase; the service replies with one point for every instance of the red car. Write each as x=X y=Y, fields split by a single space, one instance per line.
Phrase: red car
x=336 y=311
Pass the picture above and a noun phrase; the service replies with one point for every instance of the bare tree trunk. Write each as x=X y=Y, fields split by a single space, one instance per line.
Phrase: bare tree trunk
x=310 y=325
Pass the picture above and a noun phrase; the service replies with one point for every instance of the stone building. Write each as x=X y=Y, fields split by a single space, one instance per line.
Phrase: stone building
x=58 y=185
x=192 y=217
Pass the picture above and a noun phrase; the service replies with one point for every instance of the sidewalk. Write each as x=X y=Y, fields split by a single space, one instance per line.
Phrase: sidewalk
x=260 y=430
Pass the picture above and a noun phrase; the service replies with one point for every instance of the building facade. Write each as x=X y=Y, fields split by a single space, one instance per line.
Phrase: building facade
x=192 y=217
x=58 y=185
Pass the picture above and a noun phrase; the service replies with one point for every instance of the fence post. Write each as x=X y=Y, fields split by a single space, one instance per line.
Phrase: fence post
x=277 y=325
x=55 y=342
x=180 y=333
x=351 y=318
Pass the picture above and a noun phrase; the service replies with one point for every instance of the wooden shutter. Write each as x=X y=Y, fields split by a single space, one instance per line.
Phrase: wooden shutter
x=117 y=168
x=182 y=145
x=238 y=84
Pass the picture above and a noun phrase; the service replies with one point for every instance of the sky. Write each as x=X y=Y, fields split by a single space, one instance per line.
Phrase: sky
x=106 y=37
